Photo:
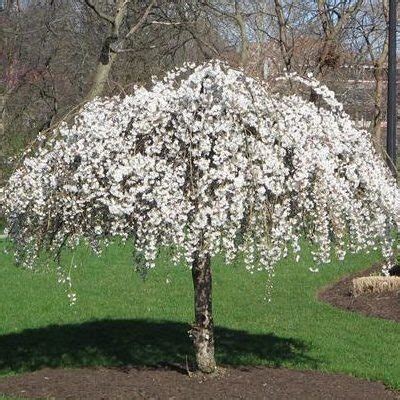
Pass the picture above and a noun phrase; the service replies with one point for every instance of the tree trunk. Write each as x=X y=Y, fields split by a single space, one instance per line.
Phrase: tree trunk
x=202 y=332
x=284 y=46
x=244 y=43
x=100 y=78
x=377 y=121
x=3 y=100
x=107 y=55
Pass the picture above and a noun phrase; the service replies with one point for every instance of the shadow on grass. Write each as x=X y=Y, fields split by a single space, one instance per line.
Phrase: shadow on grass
x=137 y=343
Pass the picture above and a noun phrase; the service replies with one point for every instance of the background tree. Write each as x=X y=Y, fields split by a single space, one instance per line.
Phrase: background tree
x=371 y=43
x=52 y=52
x=334 y=17
x=114 y=41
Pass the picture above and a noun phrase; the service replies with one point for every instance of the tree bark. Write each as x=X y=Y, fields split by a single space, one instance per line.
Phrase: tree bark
x=107 y=55
x=100 y=77
x=202 y=332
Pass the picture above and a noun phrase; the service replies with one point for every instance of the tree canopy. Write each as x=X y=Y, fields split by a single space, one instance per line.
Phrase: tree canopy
x=206 y=161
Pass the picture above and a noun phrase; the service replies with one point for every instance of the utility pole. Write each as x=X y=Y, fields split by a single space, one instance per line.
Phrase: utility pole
x=392 y=89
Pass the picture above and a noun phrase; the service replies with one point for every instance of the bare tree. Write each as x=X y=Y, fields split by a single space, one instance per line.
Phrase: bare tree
x=114 y=42
x=235 y=15
x=286 y=38
x=56 y=54
x=334 y=17
x=371 y=41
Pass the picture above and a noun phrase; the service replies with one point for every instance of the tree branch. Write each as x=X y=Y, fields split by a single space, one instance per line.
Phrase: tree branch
x=167 y=23
x=99 y=13
x=141 y=20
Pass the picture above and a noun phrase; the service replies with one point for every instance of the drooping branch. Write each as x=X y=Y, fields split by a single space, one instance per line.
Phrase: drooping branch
x=235 y=129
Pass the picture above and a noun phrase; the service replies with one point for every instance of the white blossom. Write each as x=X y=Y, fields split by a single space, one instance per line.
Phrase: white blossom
x=207 y=161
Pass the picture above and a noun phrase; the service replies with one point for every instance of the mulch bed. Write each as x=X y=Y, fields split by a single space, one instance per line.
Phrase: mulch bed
x=386 y=305
x=163 y=383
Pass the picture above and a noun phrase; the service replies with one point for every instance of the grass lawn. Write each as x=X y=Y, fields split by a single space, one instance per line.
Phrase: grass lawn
x=120 y=319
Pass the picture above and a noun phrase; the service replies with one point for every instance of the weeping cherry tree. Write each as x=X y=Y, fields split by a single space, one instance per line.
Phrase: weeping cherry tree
x=207 y=161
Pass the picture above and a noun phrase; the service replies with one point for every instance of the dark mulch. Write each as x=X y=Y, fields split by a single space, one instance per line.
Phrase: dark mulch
x=161 y=383
x=386 y=305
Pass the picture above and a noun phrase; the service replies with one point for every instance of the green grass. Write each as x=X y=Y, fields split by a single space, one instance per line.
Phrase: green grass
x=120 y=319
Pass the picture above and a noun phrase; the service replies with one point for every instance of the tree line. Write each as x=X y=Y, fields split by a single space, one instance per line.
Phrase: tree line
x=57 y=54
